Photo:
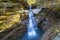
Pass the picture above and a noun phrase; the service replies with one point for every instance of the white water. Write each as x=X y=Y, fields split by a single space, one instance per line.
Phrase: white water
x=32 y=25
x=32 y=29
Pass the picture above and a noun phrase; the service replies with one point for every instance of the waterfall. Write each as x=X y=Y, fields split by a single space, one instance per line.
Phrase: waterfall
x=33 y=33
x=32 y=25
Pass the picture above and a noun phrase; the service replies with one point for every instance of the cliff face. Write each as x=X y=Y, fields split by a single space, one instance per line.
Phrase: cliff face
x=21 y=26
x=46 y=18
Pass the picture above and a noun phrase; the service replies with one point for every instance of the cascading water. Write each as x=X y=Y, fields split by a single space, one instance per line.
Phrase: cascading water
x=33 y=33
x=32 y=25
